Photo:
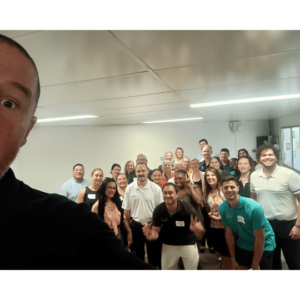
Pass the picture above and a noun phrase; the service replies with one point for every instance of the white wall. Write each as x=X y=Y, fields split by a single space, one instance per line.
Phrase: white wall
x=46 y=161
x=277 y=124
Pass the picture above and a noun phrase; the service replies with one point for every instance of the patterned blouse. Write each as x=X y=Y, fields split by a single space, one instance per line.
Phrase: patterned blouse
x=213 y=203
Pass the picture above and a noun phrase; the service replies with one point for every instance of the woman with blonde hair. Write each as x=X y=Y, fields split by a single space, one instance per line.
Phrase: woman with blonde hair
x=167 y=172
x=129 y=167
x=179 y=155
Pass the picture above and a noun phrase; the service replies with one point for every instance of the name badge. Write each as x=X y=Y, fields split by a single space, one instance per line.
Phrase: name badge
x=180 y=223
x=241 y=219
x=164 y=219
x=91 y=196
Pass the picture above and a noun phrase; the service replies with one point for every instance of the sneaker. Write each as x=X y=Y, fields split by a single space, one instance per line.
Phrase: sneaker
x=219 y=258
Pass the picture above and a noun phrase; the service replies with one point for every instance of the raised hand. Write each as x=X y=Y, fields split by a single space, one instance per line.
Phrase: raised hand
x=196 y=227
x=188 y=183
x=193 y=224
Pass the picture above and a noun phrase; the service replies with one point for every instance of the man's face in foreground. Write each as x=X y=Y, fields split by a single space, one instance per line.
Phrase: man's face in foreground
x=18 y=82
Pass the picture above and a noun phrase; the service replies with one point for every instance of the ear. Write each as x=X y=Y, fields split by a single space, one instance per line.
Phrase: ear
x=31 y=124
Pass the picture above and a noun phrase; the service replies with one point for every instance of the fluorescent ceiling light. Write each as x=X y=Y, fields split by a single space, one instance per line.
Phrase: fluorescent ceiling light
x=66 y=118
x=177 y=120
x=245 y=100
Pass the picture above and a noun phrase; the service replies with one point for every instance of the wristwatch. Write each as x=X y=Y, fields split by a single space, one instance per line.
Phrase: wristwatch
x=232 y=259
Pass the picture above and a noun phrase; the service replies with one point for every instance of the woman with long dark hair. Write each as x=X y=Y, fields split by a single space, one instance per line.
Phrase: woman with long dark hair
x=109 y=209
x=213 y=198
x=244 y=171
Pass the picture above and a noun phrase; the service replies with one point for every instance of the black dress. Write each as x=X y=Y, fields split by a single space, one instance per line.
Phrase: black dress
x=90 y=197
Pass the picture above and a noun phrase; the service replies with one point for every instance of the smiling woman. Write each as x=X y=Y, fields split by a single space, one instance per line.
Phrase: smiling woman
x=108 y=207
x=88 y=194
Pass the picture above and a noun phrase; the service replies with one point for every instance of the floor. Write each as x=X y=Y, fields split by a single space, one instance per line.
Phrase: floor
x=210 y=261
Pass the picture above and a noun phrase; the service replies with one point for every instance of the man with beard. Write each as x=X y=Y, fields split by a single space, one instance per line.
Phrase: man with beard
x=277 y=190
x=176 y=223
x=245 y=219
x=140 y=199
x=39 y=230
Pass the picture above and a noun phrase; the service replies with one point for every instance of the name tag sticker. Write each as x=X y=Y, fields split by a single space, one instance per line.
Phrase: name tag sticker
x=180 y=223
x=241 y=219
x=91 y=196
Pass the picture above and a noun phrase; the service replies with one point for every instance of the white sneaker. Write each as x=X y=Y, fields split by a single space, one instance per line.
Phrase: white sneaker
x=219 y=258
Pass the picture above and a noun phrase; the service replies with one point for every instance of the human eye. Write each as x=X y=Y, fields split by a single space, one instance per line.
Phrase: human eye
x=8 y=103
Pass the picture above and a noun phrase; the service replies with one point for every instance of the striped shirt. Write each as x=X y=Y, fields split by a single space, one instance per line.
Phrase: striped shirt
x=276 y=193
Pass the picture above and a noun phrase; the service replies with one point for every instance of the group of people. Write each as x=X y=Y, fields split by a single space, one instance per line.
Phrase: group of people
x=170 y=209
x=186 y=204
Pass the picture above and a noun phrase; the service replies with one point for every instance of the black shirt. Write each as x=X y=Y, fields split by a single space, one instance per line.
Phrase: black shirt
x=132 y=175
x=175 y=230
x=203 y=166
x=90 y=196
x=48 y=231
x=244 y=191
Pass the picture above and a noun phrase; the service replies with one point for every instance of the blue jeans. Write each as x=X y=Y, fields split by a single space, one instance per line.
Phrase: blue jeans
x=290 y=247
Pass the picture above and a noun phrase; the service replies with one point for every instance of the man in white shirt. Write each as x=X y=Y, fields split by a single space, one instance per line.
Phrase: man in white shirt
x=277 y=189
x=73 y=186
x=140 y=199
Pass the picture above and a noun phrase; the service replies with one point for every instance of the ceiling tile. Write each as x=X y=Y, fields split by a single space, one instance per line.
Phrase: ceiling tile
x=231 y=72
x=242 y=91
x=134 y=101
x=71 y=56
x=114 y=87
x=166 y=49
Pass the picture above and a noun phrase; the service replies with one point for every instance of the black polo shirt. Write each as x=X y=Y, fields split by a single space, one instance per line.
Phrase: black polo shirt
x=48 y=231
x=175 y=230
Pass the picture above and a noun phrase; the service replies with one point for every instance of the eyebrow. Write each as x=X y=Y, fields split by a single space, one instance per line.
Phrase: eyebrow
x=22 y=88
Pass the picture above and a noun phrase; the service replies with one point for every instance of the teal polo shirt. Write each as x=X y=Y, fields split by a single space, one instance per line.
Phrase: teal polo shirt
x=247 y=216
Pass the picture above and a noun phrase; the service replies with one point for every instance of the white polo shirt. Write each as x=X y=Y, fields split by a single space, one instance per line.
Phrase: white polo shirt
x=276 y=193
x=142 y=202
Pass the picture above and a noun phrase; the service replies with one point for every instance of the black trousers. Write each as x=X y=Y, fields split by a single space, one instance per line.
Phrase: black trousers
x=289 y=247
x=244 y=258
x=138 y=245
x=207 y=227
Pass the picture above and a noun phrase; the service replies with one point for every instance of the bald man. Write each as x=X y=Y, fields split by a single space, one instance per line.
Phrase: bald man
x=39 y=230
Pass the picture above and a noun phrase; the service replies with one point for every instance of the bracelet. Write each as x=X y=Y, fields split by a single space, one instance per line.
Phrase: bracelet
x=232 y=259
x=297 y=226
